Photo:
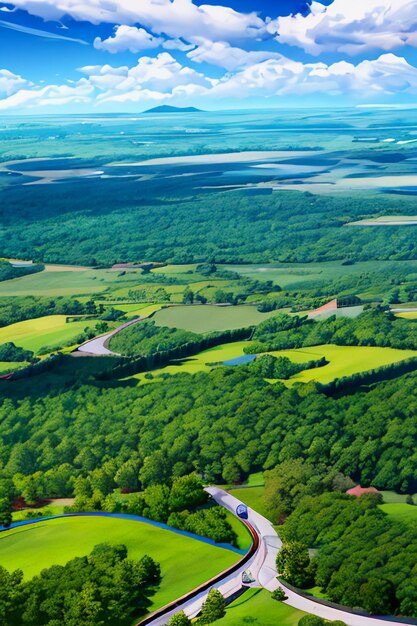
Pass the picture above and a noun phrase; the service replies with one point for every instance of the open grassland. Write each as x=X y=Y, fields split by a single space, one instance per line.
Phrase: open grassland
x=10 y=367
x=409 y=315
x=51 y=330
x=209 y=318
x=202 y=362
x=343 y=360
x=257 y=608
x=34 y=547
x=69 y=283
x=401 y=512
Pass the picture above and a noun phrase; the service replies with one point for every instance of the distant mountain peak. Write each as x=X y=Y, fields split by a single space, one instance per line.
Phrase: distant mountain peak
x=165 y=108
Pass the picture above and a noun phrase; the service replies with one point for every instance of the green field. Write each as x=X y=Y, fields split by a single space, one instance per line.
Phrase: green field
x=343 y=360
x=185 y=563
x=206 y=318
x=10 y=367
x=257 y=608
x=68 y=283
x=252 y=497
x=204 y=361
x=51 y=330
x=401 y=512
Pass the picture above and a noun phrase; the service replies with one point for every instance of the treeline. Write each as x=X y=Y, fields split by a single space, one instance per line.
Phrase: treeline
x=226 y=424
x=105 y=587
x=176 y=503
x=9 y=271
x=159 y=358
x=145 y=339
x=374 y=327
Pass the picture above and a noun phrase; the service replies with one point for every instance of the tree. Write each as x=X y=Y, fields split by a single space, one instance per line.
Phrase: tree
x=293 y=563
x=378 y=596
x=188 y=296
x=5 y=512
x=279 y=594
x=187 y=493
x=180 y=619
x=213 y=608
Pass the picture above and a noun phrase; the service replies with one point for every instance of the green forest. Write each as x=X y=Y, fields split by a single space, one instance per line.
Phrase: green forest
x=61 y=227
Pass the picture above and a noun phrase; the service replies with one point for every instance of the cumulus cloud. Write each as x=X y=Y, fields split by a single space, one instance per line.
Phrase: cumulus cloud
x=224 y=55
x=128 y=38
x=49 y=95
x=174 y=18
x=163 y=78
x=159 y=76
x=387 y=75
x=350 y=27
x=10 y=83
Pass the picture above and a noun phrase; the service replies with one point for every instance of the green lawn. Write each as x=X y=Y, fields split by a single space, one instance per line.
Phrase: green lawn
x=257 y=608
x=343 y=360
x=185 y=563
x=252 y=497
x=244 y=539
x=401 y=512
x=6 y=367
x=50 y=331
x=206 y=318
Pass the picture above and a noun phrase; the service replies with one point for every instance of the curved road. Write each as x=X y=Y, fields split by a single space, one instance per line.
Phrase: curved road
x=263 y=569
x=97 y=346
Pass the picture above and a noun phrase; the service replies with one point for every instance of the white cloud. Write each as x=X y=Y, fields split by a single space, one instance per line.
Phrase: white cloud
x=49 y=95
x=174 y=18
x=158 y=76
x=128 y=38
x=350 y=27
x=10 y=83
x=224 y=55
x=387 y=75
x=163 y=78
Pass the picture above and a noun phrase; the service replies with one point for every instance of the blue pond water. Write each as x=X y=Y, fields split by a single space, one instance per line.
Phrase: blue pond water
x=241 y=360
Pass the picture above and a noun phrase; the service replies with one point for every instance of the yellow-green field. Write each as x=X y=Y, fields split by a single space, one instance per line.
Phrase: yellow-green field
x=202 y=362
x=343 y=360
x=410 y=315
x=51 y=330
x=10 y=367
x=210 y=318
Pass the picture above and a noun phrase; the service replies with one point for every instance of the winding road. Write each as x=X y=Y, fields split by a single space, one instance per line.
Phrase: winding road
x=263 y=569
x=98 y=345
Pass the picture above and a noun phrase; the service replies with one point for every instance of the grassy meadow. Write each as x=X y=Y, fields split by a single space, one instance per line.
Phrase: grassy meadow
x=37 y=546
x=51 y=330
x=209 y=318
x=257 y=608
x=343 y=360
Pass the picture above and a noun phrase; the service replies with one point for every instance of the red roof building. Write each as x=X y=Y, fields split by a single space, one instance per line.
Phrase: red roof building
x=359 y=491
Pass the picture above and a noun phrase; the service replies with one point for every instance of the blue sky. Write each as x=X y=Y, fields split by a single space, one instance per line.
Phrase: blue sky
x=128 y=55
